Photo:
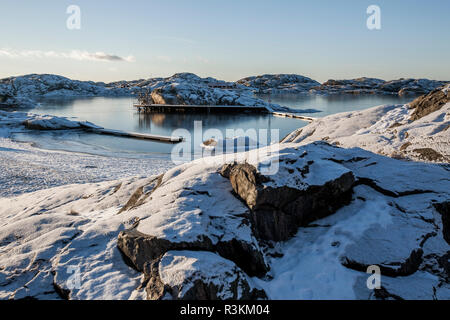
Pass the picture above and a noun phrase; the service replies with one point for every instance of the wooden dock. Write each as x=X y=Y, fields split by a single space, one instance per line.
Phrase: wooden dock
x=199 y=108
x=293 y=115
x=133 y=135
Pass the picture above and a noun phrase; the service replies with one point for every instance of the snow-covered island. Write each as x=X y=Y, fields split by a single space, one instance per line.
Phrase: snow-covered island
x=279 y=83
x=350 y=191
x=188 y=88
x=181 y=88
x=377 y=86
x=292 y=83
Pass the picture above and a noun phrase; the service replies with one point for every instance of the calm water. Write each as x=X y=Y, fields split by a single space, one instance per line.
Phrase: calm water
x=334 y=103
x=118 y=113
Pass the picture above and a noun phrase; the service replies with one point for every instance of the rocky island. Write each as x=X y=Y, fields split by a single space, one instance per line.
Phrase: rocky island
x=188 y=88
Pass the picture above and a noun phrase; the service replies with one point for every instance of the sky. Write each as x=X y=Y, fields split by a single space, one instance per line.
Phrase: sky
x=232 y=39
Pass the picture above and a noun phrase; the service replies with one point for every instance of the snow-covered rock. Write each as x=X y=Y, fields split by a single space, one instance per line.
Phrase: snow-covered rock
x=417 y=131
x=279 y=83
x=170 y=227
x=48 y=239
x=207 y=217
x=187 y=88
x=305 y=189
x=200 y=94
x=46 y=122
x=377 y=86
x=199 y=275
x=41 y=122
x=411 y=86
x=49 y=85
x=213 y=228
x=359 y=85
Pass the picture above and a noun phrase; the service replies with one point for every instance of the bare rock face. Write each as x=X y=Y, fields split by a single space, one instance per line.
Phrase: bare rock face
x=429 y=154
x=166 y=95
x=200 y=93
x=404 y=267
x=197 y=275
x=181 y=213
x=429 y=103
x=140 y=249
x=278 y=210
x=444 y=209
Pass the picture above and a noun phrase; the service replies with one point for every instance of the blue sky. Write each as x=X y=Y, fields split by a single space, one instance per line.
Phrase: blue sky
x=226 y=39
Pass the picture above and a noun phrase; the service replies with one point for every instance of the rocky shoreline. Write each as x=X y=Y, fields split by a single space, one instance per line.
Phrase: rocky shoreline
x=416 y=131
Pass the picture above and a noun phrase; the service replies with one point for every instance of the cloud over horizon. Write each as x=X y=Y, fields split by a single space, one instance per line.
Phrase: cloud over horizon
x=73 y=54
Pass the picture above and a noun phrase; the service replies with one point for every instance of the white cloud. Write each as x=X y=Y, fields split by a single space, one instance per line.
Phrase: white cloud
x=74 y=55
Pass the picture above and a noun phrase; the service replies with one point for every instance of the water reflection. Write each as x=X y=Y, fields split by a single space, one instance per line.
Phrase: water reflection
x=336 y=103
x=152 y=121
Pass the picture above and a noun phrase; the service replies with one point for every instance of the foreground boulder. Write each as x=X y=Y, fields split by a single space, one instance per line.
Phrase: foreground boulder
x=182 y=213
x=140 y=249
x=300 y=193
x=198 y=275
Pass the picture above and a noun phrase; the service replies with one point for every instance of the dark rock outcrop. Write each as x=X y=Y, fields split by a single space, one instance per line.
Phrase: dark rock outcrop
x=429 y=103
x=444 y=209
x=277 y=212
x=140 y=249
x=393 y=269
x=208 y=277
x=429 y=154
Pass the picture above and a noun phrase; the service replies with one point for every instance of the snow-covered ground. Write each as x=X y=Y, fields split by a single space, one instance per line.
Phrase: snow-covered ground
x=49 y=234
x=25 y=168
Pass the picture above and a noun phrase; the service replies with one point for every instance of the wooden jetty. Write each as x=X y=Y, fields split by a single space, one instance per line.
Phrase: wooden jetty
x=293 y=115
x=198 y=108
x=134 y=135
